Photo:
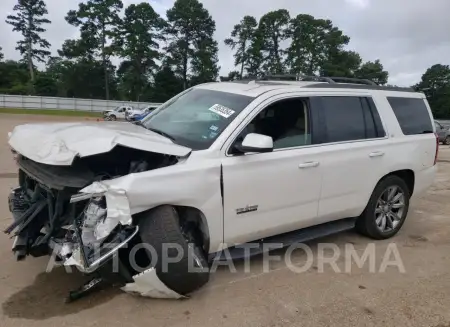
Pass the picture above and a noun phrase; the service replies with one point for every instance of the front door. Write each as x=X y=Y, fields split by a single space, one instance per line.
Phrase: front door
x=271 y=193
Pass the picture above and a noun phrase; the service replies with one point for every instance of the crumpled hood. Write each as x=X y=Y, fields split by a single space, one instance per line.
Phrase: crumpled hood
x=60 y=143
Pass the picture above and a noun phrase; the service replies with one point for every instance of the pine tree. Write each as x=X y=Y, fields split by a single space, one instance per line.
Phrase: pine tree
x=28 y=21
x=241 y=39
x=272 y=29
x=96 y=19
x=137 y=40
x=191 y=47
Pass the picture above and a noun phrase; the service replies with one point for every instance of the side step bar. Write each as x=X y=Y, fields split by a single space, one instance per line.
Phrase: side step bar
x=287 y=239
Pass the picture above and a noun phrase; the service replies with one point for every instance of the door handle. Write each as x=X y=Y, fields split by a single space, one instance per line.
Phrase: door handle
x=309 y=164
x=376 y=154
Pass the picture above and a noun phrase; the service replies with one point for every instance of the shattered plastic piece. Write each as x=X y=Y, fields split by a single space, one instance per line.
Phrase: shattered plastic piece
x=85 y=289
x=148 y=284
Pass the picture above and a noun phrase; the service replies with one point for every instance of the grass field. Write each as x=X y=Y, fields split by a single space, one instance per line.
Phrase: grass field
x=51 y=112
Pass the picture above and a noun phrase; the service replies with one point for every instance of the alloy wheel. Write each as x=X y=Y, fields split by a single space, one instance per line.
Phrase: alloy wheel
x=389 y=209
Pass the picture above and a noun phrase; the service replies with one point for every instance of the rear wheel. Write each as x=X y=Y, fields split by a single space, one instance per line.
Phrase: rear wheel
x=447 y=140
x=161 y=227
x=111 y=118
x=387 y=209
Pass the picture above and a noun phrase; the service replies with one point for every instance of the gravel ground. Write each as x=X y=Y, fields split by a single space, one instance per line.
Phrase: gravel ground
x=418 y=297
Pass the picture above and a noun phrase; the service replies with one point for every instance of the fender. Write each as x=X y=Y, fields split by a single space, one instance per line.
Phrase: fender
x=195 y=185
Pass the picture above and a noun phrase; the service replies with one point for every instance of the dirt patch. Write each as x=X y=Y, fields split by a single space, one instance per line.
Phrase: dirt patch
x=8 y=175
x=45 y=297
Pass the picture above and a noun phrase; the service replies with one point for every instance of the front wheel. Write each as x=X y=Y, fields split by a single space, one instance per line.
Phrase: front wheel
x=160 y=228
x=447 y=140
x=387 y=209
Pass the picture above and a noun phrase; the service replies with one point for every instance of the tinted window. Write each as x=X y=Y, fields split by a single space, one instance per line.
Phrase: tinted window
x=380 y=132
x=286 y=121
x=412 y=115
x=196 y=117
x=350 y=118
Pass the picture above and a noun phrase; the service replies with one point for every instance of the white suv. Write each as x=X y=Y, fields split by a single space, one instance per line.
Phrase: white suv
x=273 y=160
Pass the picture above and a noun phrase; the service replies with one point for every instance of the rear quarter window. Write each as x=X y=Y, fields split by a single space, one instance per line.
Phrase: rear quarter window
x=412 y=115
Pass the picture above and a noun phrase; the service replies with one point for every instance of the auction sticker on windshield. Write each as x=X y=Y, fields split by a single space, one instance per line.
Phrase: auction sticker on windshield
x=222 y=110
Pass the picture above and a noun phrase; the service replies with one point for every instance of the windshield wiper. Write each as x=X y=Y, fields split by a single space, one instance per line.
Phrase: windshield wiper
x=157 y=131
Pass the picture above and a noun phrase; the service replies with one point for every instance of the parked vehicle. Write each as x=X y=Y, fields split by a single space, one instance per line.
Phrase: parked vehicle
x=140 y=114
x=118 y=113
x=270 y=160
x=443 y=133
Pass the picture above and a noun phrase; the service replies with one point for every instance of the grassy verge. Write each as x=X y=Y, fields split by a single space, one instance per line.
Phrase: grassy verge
x=71 y=113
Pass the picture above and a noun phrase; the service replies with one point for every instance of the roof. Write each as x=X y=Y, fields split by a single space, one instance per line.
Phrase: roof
x=256 y=87
x=252 y=88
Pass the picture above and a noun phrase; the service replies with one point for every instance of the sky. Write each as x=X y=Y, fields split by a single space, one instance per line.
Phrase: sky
x=408 y=36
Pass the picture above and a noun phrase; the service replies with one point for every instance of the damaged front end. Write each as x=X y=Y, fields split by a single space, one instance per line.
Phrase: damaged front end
x=66 y=212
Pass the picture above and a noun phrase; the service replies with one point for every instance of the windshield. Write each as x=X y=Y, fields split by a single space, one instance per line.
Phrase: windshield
x=196 y=117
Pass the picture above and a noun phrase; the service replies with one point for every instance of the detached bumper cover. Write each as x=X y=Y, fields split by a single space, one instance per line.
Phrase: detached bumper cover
x=148 y=284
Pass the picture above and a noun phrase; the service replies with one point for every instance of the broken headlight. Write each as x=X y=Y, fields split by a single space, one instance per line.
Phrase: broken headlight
x=92 y=229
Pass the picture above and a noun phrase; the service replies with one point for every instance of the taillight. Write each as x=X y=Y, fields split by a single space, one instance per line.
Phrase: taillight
x=437 y=148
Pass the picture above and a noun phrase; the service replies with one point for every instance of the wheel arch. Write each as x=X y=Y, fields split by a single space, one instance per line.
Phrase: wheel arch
x=187 y=214
x=407 y=175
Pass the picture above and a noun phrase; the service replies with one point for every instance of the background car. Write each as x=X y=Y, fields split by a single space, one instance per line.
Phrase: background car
x=443 y=133
x=138 y=114
x=118 y=113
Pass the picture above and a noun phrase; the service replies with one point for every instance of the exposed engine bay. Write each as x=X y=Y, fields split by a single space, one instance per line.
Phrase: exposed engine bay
x=51 y=217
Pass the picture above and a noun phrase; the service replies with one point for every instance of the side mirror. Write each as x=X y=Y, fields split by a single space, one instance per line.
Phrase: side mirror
x=254 y=142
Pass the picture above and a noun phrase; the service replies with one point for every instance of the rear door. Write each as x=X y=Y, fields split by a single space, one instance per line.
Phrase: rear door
x=353 y=154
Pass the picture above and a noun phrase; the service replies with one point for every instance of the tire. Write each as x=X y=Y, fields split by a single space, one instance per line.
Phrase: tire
x=446 y=140
x=370 y=223
x=161 y=225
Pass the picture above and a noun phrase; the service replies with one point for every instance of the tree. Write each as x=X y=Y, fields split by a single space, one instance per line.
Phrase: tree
x=341 y=63
x=205 y=62
x=1 y=54
x=191 y=42
x=272 y=31
x=28 y=21
x=166 y=85
x=82 y=78
x=14 y=76
x=373 y=71
x=435 y=83
x=96 y=19
x=45 y=85
x=314 y=42
x=255 y=56
x=241 y=38
x=233 y=76
x=136 y=40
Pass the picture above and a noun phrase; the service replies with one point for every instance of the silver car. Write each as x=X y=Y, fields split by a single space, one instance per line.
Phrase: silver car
x=443 y=133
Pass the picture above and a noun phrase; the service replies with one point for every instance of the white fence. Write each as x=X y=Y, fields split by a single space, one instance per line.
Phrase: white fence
x=35 y=102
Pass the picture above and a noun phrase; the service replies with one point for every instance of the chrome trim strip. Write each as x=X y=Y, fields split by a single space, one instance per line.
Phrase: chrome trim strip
x=96 y=264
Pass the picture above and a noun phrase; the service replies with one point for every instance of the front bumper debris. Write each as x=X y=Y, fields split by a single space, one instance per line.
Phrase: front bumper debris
x=148 y=284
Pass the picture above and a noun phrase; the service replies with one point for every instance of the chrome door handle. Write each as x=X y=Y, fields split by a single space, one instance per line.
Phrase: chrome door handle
x=309 y=164
x=376 y=154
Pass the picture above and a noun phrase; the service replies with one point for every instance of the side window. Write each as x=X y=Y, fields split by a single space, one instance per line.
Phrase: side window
x=412 y=115
x=286 y=121
x=350 y=118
